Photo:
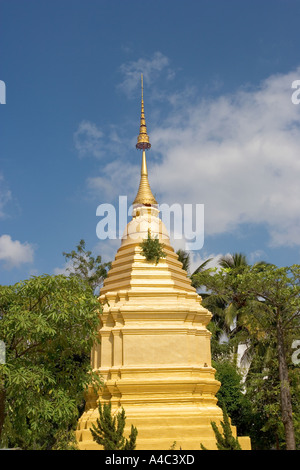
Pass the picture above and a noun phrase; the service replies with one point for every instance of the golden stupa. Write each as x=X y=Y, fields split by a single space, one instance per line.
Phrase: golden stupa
x=154 y=356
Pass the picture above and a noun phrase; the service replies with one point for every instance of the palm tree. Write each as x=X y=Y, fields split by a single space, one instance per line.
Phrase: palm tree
x=227 y=309
x=234 y=318
x=202 y=267
x=233 y=261
x=216 y=304
x=184 y=258
x=228 y=319
x=236 y=263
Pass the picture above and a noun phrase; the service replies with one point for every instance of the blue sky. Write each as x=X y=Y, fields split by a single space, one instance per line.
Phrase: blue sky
x=223 y=128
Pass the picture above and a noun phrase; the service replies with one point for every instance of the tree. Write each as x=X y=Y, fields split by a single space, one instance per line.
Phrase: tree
x=216 y=304
x=48 y=325
x=87 y=267
x=224 y=440
x=269 y=300
x=184 y=258
x=231 y=396
x=262 y=387
x=235 y=260
x=227 y=307
x=109 y=430
x=274 y=303
x=224 y=308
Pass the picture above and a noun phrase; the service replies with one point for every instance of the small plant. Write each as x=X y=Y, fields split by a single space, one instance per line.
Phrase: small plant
x=226 y=441
x=109 y=430
x=152 y=249
x=174 y=445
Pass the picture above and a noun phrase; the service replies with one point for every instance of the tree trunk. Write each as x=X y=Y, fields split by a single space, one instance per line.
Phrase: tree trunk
x=285 y=393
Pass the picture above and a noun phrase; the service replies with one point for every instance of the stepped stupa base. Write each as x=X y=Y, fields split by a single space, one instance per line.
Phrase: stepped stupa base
x=163 y=428
x=169 y=406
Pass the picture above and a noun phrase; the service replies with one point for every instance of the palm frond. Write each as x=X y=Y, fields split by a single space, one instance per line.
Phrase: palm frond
x=202 y=266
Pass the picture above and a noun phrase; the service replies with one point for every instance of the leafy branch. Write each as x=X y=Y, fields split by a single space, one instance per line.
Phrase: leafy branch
x=152 y=249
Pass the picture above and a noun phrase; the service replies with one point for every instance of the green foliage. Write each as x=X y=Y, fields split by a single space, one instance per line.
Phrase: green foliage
x=109 y=430
x=261 y=306
x=231 y=396
x=184 y=258
x=224 y=440
x=220 y=350
x=236 y=261
x=87 y=267
x=152 y=249
x=48 y=324
x=263 y=391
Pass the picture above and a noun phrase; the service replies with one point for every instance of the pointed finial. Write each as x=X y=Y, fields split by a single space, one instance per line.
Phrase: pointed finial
x=144 y=195
x=143 y=142
x=142 y=85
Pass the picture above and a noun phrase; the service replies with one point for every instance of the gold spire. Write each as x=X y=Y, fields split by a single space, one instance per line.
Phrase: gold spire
x=144 y=195
x=143 y=142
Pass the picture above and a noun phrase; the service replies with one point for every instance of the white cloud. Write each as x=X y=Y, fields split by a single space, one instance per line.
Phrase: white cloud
x=65 y=269
x=237 y=154
x=256 y=256
x=149 y=67
x=88 y=140
x=92 y=141
x=117 y=178
x=107 y=249
x=196 y=259
x=14 y=253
